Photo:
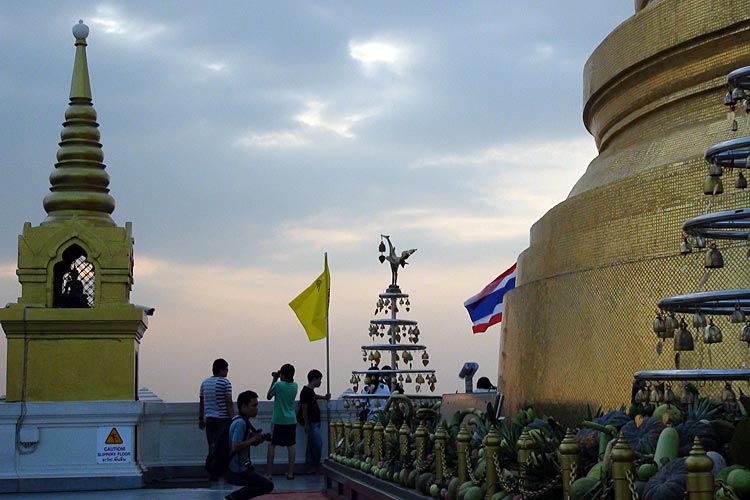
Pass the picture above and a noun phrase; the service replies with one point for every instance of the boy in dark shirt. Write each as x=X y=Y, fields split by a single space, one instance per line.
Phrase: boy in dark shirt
x=311 y=418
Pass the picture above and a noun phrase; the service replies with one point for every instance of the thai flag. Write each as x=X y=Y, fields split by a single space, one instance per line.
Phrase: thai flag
x=486 y=307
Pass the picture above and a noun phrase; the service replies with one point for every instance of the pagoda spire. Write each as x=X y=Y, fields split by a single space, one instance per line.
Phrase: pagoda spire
x=79 y=181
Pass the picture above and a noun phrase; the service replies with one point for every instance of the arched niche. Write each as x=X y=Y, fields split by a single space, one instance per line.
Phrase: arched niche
x=73 y=279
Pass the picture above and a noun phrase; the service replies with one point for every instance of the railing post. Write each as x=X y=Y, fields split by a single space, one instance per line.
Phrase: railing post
x=356 y=436
x=700 y=480
x=340 y=432
x=390 y=430
x=462 y=445
x=524 y=446
x=491 y=449
x=420 y=436
x=347 y=436
x=377 y=443
x=331 y=438
x=403 y=442
x=367 y=436
x=623 y=468
x=440 y=438
x=570 y=462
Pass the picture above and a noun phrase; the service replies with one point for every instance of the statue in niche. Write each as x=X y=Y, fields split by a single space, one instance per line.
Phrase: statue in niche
x=73 y=295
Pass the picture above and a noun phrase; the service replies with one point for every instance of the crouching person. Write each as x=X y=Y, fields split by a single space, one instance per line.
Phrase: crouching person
x=242 y=436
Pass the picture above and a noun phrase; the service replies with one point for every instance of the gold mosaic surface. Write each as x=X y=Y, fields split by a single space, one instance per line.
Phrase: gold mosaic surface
x=579 y=322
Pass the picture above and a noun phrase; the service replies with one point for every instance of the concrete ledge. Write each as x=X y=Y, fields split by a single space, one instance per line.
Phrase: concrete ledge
x=345 y=483
x=70 y=484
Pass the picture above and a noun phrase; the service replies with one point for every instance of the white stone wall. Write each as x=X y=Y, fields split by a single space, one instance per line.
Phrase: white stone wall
x=57 y=449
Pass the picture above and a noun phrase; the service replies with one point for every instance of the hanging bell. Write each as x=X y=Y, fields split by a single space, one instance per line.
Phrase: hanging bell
x=714 y=259
x=745 y=334
x=683 y=339
x=738 y=94
x=728 y=396
x=715 y=170
x=641 y=396
x=728 y=100
x=381 y=247
x=670 y=325
x=668 y=394
x=699 y=241
x=659 y=326
x=688 y=397
x=408 y=379
x=685 y=246
x=656 y=395
x=381 y=258
x=737 y=315
x=712 y=185
x=699 y=320
x=712 y=333
x=735 y=125
x=741 y=181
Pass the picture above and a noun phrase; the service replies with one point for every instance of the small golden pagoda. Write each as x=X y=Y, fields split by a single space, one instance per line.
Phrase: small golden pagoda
x=579 y=323
x=73 y=335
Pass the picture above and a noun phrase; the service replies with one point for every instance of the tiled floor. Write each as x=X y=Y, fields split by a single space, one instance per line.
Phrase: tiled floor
x=217 y=491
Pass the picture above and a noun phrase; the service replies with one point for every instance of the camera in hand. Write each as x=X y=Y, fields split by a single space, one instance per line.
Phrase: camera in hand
x=275 y=374
x=265 y=436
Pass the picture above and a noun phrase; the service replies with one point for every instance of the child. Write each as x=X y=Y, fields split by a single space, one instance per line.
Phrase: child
x=283 y=392
x=310 y=411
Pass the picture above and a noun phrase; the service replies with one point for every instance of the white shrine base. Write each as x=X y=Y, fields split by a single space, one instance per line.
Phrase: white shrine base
x=61 y=446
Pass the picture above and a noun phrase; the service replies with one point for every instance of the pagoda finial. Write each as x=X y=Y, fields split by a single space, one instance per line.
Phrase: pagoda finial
x=79 y=183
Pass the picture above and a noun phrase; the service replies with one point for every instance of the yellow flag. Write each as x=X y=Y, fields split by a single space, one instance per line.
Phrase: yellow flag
x=311 y=306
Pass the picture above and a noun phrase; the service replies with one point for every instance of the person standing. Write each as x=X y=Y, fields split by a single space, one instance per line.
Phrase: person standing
x=310 y=412
x=216 y=409
x=242 y=435
x=283 y=391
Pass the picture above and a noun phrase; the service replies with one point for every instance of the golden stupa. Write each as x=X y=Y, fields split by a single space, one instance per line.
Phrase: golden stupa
x=578 y=325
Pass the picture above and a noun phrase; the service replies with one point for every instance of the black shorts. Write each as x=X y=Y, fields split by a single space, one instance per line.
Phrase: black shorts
x=284 y=435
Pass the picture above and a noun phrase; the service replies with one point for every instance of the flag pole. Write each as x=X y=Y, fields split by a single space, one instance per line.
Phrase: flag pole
x=328 y=361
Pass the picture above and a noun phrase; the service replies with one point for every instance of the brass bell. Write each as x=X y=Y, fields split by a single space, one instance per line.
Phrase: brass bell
x=741 y=181
x=745 y=334
x=728 y=396
x=381 y=247
x=687 y=397
x=712 y=333
x=670 y=325
x=668 y=394
x=714 y=259
x=656 y=395
x=659 y=326
x=728 y=100
x=715 y=170
x=738 y=94
x=683 y=339
x=685 y=246
x=699 y=320
x=712 y=185
x=641 y=396
x=737 y=315
x=699 y=241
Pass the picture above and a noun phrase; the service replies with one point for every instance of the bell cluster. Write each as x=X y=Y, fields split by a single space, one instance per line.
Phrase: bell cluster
x=374 y=356
x=713 y=258
x=666 y=326
x=735 y=99
x=395 y=333
x=386 y=305
x=658 y=393
x=713 y=185
x=420 y=378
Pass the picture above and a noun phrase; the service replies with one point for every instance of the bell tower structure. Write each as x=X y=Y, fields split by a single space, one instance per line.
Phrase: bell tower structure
x=73 y=335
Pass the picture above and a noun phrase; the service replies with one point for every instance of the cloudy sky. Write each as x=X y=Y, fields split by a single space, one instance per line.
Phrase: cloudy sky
x=245 y=139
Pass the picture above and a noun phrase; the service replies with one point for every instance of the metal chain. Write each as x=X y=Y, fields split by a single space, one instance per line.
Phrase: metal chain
x=544 y=490
x=728 y=492
x=469 y=470
x=631 y=485
x=608 y=490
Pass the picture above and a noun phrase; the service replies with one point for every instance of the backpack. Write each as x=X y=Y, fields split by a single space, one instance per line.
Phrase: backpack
x=220 y=453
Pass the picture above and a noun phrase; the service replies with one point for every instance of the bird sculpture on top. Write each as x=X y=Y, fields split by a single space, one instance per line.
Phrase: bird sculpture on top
x=393 y=259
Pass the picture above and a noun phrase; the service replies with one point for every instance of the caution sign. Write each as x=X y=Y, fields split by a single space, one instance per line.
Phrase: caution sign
x=114 y=444
x=114 y=437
